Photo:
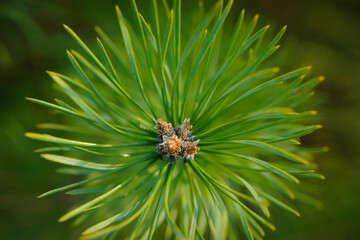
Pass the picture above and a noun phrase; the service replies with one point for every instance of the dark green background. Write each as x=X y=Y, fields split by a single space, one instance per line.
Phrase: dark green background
x=324 y=34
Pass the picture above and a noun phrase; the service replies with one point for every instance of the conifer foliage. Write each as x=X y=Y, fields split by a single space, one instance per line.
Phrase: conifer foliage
x=182 y=128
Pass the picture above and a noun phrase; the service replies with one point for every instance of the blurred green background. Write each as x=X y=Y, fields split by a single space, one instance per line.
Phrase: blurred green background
x=324 y=34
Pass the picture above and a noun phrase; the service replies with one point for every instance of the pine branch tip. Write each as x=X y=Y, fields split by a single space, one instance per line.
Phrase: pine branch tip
x=178 y=145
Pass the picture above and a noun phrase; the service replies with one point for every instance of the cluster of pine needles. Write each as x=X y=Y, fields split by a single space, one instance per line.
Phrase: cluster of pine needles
x=246 y=119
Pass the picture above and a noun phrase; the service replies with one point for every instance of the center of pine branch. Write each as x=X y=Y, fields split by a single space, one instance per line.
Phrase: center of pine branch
x=176 y=143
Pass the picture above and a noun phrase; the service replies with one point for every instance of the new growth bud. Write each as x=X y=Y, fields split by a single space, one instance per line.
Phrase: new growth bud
x=176 y=143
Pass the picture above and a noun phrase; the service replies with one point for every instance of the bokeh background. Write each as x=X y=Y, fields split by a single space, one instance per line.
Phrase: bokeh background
x=321 y=33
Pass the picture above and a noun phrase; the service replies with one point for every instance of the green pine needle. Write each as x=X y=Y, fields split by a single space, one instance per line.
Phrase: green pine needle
x=247 y=121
